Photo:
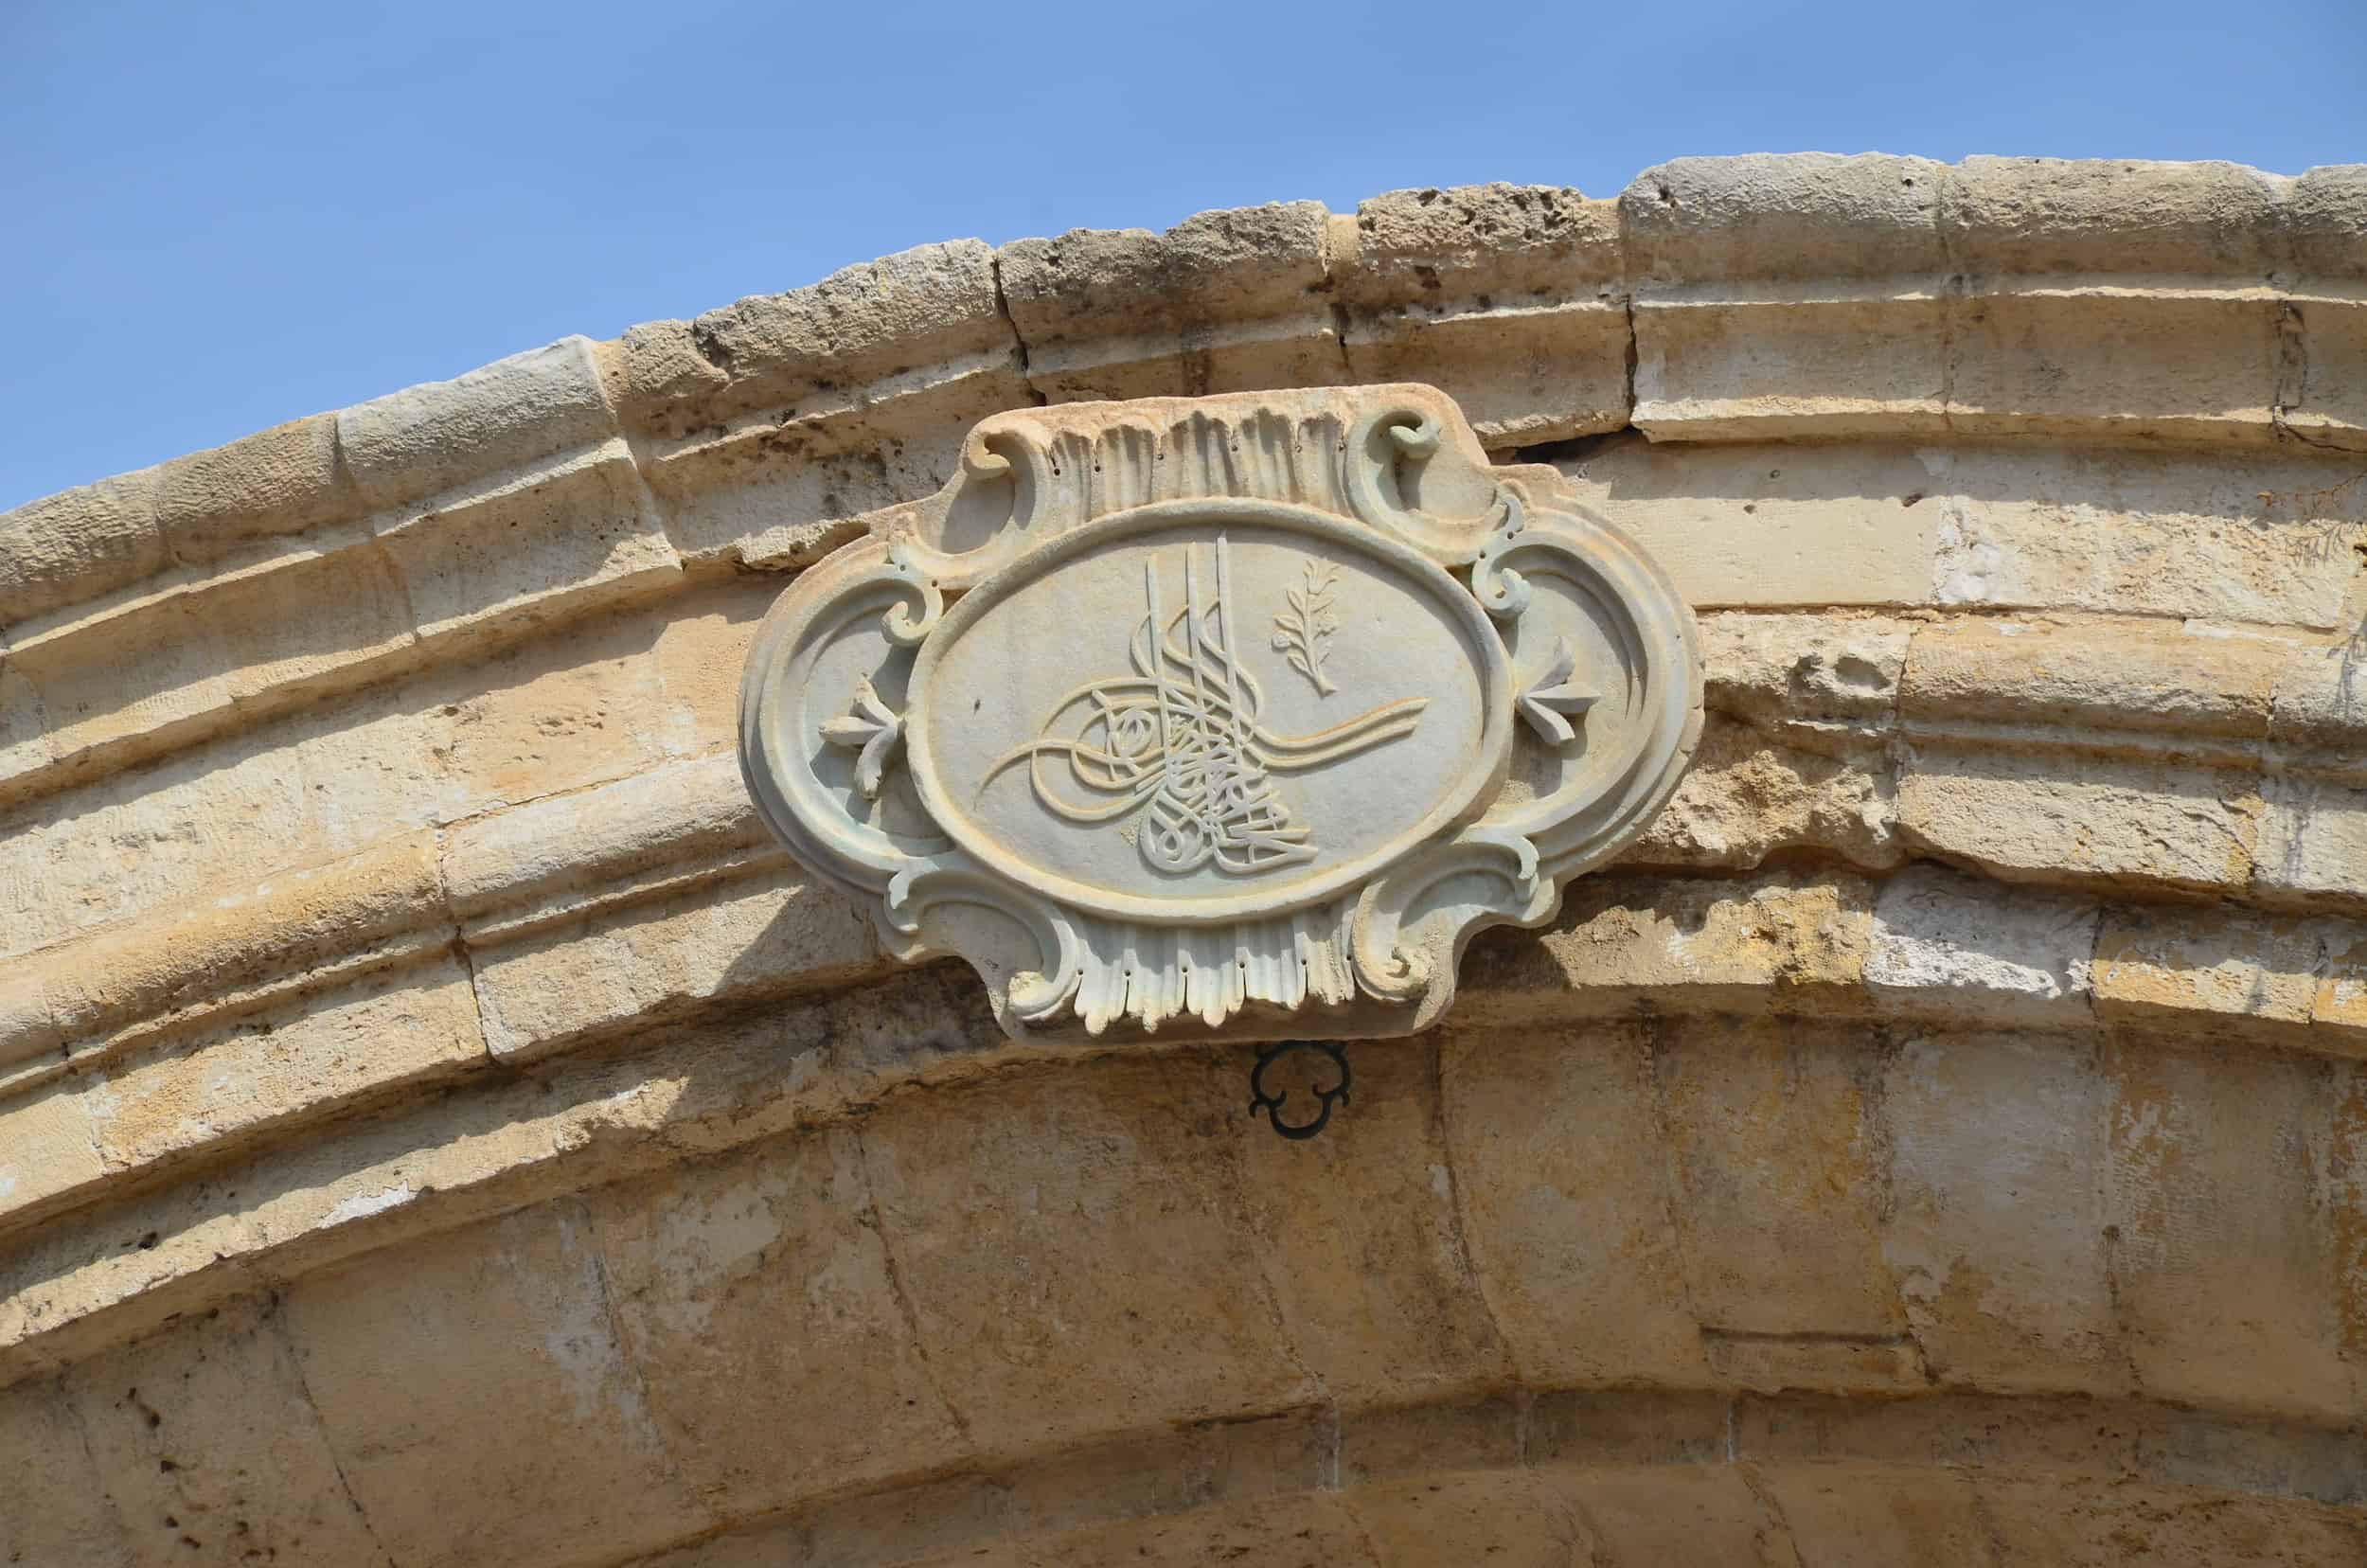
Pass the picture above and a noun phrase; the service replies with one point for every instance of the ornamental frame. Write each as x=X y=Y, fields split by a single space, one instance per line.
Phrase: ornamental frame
x=1237 y=715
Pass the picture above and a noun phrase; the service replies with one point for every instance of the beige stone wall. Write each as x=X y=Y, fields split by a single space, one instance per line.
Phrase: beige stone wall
x=439 y=1126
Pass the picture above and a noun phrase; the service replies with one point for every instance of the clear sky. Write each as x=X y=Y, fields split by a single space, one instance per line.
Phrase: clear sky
x=220 y=214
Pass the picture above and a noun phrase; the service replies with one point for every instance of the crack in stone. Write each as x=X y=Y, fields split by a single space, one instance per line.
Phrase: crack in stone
x=1019 y=340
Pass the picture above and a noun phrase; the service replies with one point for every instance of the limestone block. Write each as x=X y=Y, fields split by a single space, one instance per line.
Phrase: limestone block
x=933 y=305
x=776 y=420
x=1749 y=316
x=701 y=646
x=2092 y=675
x=1659 y=1514
x=46 y=1146
x=1011 y=1208
x=2337 y=1006
x=431 y=436
x=2324 y=213
x=1771 y=525
x=2155 y=966
x=2320 y=706
x=1223 y=301
x=768 y=934
x=207 y=1442
x=1386 y=1442
x=527 y=546
x=2023 y=816
x=1811 y=214
x=759 y=1286
x=555 y=714
x=1504 y=1519
x=2083 y=1435
x=2247 y=537
x=1951 y=946
x=321 y=784
x=1788 y=361
x=1236 y=1462
x=1873 y=1516
x=2050 y=1523
x=517 y=1321
x=1286 y=1532
x=1745 y=797
x=66 y=547
x=2319 y=397
x=2141 y=363
x=2320 y=1463
x=26 y=750
x=1594 y=1428
x=656 y=368
x=395 y=1029
x=2224 y=1262
x=1996 y=1233
x=2313 y=840
x=559 y=850
x=160 y=672
x=1363 y=1245
x=1509 y=299
x=43 y=1454
x=316 y=626
x=213 y=504
x=1779 y=1182
x=1797 y=672
x=164 y=666
x=1786 y=942
x=1563 y=1183
x=240 y=938
x=2110 y=216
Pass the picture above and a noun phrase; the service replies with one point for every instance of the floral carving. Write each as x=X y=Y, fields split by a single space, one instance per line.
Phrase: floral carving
x=1546 y=701
x=1303 y=631
x=871 y=730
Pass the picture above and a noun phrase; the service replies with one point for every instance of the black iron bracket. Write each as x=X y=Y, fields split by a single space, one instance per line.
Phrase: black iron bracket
x=1260 y=1098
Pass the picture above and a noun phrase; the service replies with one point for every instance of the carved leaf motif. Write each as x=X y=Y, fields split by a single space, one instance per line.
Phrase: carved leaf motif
x=872 y=730
x=1551 y=696
x=1303 y=632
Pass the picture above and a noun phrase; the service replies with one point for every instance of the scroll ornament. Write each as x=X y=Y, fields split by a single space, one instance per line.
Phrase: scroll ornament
x=1236 y=713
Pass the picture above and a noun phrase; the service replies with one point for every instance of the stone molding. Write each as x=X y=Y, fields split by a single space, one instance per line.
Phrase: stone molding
x=2212 y=304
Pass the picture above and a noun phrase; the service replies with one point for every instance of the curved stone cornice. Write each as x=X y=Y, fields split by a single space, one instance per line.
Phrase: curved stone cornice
x=389 y=933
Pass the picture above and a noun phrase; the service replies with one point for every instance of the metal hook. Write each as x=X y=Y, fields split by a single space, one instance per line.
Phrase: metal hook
x=1325 y=1098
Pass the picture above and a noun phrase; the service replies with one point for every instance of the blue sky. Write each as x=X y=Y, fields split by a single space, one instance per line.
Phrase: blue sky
x=222 y=215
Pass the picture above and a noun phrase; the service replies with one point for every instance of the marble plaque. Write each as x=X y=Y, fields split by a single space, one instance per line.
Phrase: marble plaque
x=1236 y=714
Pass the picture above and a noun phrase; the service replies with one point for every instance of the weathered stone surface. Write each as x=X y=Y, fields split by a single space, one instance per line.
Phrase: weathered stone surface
x=58 y=1512
x=1509 y=299
x=2225 y=1263
x=428 y=438
x=1952 y=945
x=1008 y=1217
x=1777 y=1163
x=1569 y=1217
x=761 y=1285
x=207 y=1444
x=2011 y=815
x=529 y=1300
x=1221 y=301
x=277 y=481
x=1943 y=1136
x=1997 y=1232
x=78 y=543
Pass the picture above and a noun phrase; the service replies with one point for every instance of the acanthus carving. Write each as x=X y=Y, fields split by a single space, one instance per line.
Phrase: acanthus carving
x=1250 y=710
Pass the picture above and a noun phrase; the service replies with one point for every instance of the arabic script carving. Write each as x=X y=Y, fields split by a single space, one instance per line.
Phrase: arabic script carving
x=1178 y=829
x=1181 y=736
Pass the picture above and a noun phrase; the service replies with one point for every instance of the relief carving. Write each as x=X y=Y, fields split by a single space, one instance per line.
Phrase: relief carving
x=1248 y=709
